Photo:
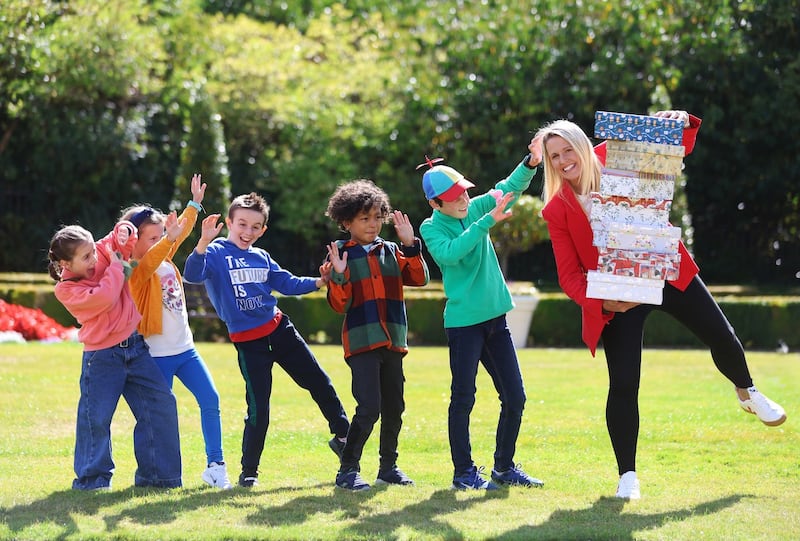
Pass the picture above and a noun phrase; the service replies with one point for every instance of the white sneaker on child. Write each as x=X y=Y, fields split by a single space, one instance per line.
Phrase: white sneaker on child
x=768 y=412
x=216 y=475
x=628 y=486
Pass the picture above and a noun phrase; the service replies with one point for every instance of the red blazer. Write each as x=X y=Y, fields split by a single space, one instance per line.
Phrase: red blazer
x=571 y=236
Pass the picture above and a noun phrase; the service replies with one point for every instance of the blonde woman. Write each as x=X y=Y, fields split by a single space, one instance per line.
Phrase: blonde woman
x=571 y=171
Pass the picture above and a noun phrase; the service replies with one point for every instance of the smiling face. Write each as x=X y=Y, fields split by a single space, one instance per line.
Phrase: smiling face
x=455 y=209
x=83 y=260
x=366 y=226
x=245 y=227
x=564 y=158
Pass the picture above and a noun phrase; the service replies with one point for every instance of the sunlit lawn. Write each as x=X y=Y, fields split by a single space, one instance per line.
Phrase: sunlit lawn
x=708 y=470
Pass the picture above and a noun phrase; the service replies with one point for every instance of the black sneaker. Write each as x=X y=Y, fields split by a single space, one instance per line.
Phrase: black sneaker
x=351 y=480
x=337 y=446
x=248 y=480
x=393 y=476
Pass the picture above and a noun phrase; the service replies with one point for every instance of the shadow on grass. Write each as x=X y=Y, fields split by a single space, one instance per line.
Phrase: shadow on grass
x=605 y=520
x=60 y=508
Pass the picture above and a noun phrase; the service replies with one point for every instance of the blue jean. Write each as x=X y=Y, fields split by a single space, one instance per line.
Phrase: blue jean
x=190 y=369
x=490 y=344
x=287 y=348
x=126 y=370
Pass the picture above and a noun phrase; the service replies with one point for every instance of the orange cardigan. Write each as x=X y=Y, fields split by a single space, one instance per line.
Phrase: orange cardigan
x=145 y=284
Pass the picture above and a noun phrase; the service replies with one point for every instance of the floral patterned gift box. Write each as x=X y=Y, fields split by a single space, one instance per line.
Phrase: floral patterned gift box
x=628 y=127
x=624 y=288
x=637 y=184
x=644 y=157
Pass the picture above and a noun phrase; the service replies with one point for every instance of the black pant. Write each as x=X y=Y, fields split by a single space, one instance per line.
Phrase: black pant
x=286 y=347
x=622 y=338
x=378 y=389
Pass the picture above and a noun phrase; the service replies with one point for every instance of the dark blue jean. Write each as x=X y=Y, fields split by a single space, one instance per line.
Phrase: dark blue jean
x=129 y=371
x=377 y=386
x=490 y=344
x=287 y=348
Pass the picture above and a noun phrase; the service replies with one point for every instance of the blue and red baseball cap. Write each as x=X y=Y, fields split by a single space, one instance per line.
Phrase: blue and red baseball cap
x=445 y=183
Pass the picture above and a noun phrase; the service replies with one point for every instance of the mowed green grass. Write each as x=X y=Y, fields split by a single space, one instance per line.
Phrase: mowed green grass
x=708 y=470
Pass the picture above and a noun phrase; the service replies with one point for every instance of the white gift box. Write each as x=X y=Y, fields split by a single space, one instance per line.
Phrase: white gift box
x=663 y=239
x=637 y=184
x=624 y=288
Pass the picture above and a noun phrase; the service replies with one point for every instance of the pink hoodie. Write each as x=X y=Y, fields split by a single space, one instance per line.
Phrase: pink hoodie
x=102 y=304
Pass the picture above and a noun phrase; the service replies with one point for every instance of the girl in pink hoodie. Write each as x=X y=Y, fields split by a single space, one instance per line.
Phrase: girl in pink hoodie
x=116 y=361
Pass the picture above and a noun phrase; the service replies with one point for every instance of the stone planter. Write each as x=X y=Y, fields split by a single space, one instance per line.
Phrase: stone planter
x=520 y=317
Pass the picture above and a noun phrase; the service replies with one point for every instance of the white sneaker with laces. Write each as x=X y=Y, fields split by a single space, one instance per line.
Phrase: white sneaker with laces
x=768 y=412
x=216 y=475
x=628 y=486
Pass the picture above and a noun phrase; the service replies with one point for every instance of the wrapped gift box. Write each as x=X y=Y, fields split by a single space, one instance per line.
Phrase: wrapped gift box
x=639 y=263
x=628 y=127
x=637 y=184
x=644 y=157
x=624 y=288
x=661 y=239
x=627 y=210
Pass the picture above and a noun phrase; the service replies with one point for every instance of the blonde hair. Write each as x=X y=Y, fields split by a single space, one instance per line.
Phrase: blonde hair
x=577 y=139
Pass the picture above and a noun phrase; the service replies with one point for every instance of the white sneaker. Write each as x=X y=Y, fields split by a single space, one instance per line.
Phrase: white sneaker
x=628 y=486
x=216 y=475
x=770 y=413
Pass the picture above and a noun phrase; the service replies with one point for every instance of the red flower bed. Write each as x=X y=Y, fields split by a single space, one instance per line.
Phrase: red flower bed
x=31 y=323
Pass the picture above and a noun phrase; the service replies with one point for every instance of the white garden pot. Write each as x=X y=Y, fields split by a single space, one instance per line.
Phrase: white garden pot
x=520 y=317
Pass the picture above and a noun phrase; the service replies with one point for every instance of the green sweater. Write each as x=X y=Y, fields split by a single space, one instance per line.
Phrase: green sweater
x=473 y=282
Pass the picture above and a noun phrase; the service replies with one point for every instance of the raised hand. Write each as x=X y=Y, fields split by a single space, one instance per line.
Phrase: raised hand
x=198 y=188
x=403 y=228
x=499 y=212
x=535 y=148
x=173 y=227
x=338 y=262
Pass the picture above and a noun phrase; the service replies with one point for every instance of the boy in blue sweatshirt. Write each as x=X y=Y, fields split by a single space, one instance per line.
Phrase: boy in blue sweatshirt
x=457 y=237
x=240 y=279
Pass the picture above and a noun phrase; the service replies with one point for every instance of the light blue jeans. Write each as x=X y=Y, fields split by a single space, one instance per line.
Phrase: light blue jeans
x=126 y=370
x=190 y=369
x=490 y=344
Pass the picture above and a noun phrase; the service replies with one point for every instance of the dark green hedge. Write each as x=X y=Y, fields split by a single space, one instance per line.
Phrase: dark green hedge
x=761 y=322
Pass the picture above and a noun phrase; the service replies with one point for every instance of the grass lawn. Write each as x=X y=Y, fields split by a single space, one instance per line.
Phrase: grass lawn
x=708 y=470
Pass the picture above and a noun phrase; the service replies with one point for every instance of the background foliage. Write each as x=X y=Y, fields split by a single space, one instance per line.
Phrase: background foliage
x=103 y=104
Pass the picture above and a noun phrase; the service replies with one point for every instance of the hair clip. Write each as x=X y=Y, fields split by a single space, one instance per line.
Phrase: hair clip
x=139 y=218
x=429 y=162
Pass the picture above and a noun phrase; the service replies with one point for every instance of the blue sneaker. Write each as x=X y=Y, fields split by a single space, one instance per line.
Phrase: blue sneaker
x=472 y=479
x=514 y=476
x=393 y=476
x=351 y=480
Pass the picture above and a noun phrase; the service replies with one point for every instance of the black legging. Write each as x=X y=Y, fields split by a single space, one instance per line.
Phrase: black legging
x=622 y=338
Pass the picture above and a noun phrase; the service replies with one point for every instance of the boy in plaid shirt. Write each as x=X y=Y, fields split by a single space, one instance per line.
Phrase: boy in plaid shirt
x=367 y=286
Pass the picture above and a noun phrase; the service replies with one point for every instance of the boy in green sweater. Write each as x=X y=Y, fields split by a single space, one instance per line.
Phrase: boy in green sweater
x=457 y=237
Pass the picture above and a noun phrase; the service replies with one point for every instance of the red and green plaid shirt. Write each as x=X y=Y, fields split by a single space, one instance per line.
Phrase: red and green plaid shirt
x=370 y=294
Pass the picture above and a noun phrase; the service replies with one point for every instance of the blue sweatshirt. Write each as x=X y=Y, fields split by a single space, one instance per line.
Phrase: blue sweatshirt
x=240 y=283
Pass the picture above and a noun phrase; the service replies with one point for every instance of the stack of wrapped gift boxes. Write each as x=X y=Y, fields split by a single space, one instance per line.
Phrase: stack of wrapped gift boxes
x=638 y=248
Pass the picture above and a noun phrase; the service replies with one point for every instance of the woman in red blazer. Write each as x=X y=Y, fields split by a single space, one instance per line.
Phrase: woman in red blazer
x=571 y=171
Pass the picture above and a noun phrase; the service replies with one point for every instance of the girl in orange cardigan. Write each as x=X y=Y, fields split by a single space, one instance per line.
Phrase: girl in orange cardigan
x=157 y=290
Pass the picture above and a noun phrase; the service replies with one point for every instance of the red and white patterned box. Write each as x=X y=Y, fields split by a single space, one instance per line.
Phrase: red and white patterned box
x=639 y=263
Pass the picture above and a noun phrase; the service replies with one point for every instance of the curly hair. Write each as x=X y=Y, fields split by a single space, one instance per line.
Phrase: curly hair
x=354 y=197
